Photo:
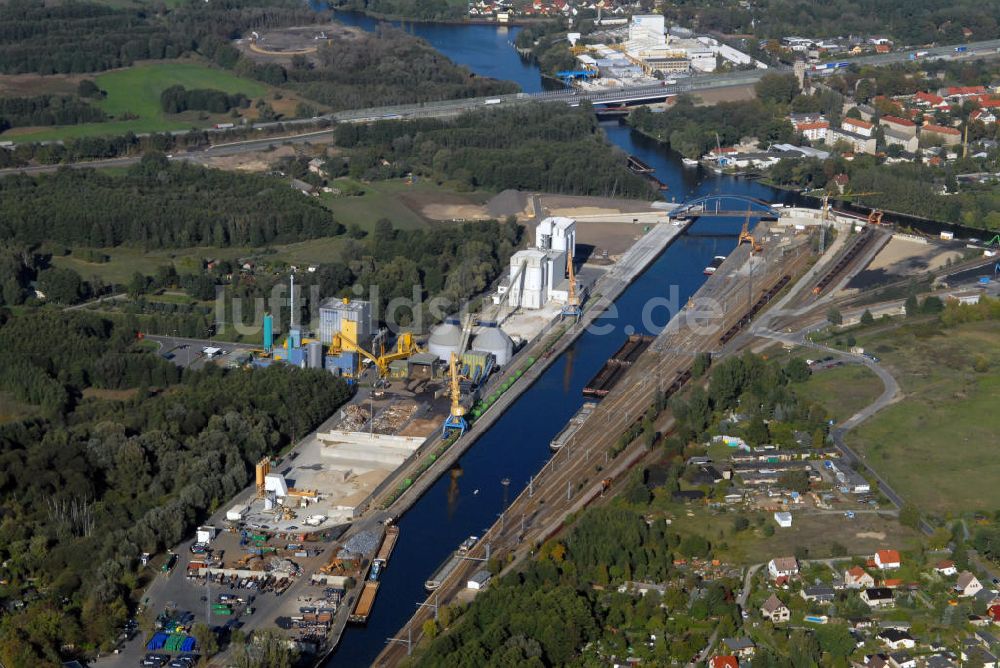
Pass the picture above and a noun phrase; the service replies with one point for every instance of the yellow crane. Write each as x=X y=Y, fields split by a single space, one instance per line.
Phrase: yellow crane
x=572 y=307
x=406 y=347
x=456 y=418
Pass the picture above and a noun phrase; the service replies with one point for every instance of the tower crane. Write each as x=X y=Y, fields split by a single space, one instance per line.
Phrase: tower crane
x=572 y=307
x=456 y=418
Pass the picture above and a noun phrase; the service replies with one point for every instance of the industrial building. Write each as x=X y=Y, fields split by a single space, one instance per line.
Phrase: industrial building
x=539 y=275
x=352 y=319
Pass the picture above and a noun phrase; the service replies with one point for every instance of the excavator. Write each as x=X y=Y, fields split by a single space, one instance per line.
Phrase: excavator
x=746 y=237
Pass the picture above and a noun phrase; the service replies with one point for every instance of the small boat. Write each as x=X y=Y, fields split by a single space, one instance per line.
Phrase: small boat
x=688 y=162
x=714 y=264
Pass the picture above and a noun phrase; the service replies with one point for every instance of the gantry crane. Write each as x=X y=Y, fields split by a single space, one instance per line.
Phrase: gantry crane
x=572 y=307
x=456 y=418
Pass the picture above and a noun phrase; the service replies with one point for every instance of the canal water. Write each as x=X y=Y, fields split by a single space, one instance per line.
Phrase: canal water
x=468 y=501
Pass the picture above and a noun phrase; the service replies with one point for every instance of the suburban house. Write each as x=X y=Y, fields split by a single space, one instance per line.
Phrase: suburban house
x=858 y=578
x=902 y=660
x=930 y=100
x=775 y=610
x=896 y=639
x=987 y=116
x=967 y=584
x=877 y=597
x=886 y=559
x=948 y=136
x=783 y=566
x=946 y=567
x=723 y=662
x=818 y=594
x=742 y=648
x=974 y=654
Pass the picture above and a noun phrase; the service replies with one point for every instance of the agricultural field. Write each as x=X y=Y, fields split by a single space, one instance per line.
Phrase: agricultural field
x=136 y=91
x=937 y=448
x=408 y=206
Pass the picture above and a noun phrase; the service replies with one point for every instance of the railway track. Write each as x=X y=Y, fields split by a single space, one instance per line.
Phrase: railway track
x=578 y=473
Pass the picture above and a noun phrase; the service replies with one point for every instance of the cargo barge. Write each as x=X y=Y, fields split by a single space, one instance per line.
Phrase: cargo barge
x=450 y=564
x=572 y=426
x=388 y=543
x=366 y=600
x=616 y=366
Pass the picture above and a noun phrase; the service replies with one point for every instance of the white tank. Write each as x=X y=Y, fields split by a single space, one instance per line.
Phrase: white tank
x=445 y=340
x=495 y=340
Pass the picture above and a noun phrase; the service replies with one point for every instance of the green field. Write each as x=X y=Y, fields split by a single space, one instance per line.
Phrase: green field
x=937 y=448
x=393 y=200
x=843 y=391
x=137 y=90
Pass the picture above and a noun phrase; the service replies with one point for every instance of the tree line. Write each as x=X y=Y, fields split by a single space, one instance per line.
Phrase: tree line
x=96 y=482
x=176 y=99
x=527 y=147
x=47 y=110
x=158 y=204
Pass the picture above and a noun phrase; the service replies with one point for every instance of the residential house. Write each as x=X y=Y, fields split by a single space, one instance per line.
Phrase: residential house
x=987 y=116
x=775 y=610
x=858 y=578
x=896 y=638
x=967 y=584
x=931 y=101
x=742 y=648
x=961 y=93
x=783 y=518
x=902 y=660
x=818 y=594
x=901 y=125
x=946 y=567
x=316 y=166
x=858 y=127
x=875 y=661
x=841 y=181
x=940 y=660
x=877 y=597
x=722 y=661
x=783 y=566
x=947 y=136
x=892 y=583
x=994 y=612
x=974 y=654
x=887 y=559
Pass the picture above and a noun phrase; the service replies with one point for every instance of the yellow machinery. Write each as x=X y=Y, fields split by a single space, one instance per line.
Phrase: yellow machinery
x=745 y=236
x=456 y=418
x=406 y=347
x=572 y=307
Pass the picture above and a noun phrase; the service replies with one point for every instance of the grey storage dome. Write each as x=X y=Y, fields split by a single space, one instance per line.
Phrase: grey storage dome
x=495 y=340
x=445 y=340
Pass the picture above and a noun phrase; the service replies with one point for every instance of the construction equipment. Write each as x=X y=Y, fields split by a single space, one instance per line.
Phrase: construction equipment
x=406 y=347
x=875 y=217
x=745 y=236
x=572 y=307
x=456 y=418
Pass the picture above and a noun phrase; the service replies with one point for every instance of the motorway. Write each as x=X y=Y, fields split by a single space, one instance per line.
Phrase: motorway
x=570 y=96
x=573 y=477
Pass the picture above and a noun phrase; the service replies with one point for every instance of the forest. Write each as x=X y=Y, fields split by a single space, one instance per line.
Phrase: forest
x=82 y=36
x=158 y=204
x=423 y=10
x=46 y=110
x=528 y=147
x=92 y=483
x=912 y=22
x=384 y=69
